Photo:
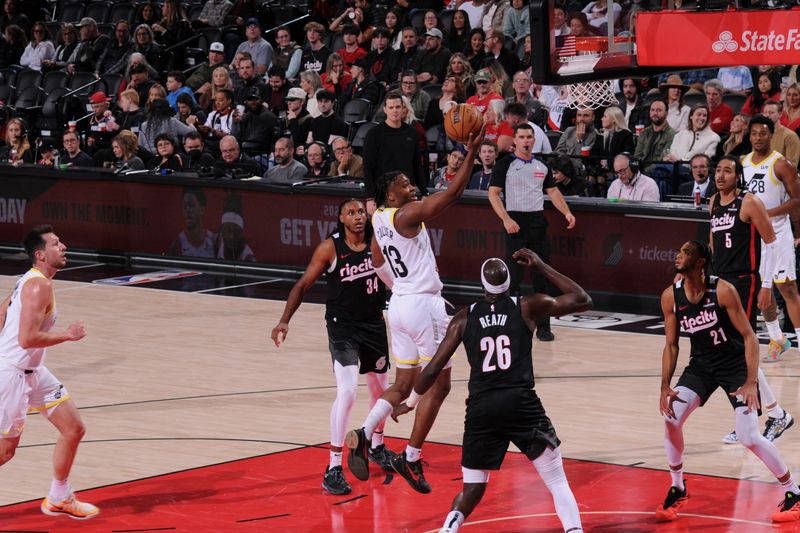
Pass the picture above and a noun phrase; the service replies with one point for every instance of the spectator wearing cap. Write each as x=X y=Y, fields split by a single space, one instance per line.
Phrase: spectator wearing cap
x=382 y=61
x=288 y=54
x=139 y=80
x=351 y=50
x=260 y=50
x=431 y=63
x=361 y=86
x=213 y=14
x=483 y=91
x=233 y=163
x=345 y=163
x=114 y=58
x=327 y=125
x=246 y=81
x=102 y=123
x=495 y=49
x=677 y=112
x=277 y=89
x=315 y=53
x=256 y=127
x=720 y=114
x=200 y=80
x=287 y=170
x=298 y=120
x=93 y=43
x=47 y=153
x=335 y=78
x=73 y=155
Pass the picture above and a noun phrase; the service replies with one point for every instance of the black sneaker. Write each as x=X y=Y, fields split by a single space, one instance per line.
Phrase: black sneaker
x=675 y=499
x=412 y=472
x=334 y=481
x=357 y=444
x=382 y=456
x=776 y=426
x=545 y=335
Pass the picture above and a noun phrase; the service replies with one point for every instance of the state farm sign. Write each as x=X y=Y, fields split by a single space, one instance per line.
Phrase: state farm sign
x=728 y=38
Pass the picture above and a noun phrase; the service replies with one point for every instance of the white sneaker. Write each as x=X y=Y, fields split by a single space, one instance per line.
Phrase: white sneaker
x=70 y=507
x=731 y=438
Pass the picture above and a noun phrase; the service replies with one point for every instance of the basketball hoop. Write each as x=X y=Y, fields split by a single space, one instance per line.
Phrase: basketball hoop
x=592 y=95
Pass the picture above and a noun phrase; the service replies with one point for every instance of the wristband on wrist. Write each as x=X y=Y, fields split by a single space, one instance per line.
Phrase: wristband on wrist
x=413 y=399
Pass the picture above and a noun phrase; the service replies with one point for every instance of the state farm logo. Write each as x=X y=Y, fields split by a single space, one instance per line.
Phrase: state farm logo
x=754 y=41
x=725 y=43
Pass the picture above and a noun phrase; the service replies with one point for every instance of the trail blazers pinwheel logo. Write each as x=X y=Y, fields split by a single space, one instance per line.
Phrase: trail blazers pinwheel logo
x=726 y=43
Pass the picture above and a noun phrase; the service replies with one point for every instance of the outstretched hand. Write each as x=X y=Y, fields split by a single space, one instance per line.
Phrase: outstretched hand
x=400 y=410
x=749 y=395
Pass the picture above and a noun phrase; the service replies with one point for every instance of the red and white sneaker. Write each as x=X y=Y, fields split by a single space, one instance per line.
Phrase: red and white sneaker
x=70 y=507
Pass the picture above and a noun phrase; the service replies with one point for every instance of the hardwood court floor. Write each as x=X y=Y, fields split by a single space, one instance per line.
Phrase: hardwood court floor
x=168 y=381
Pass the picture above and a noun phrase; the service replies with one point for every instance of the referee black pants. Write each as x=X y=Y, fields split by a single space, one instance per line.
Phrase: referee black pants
x=533 y=235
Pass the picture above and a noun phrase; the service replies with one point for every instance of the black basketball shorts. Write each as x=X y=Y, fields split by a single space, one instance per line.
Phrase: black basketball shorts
x=704 y=380
x=364 y=344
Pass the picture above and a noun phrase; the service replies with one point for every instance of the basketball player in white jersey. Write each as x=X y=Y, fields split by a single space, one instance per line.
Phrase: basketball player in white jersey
x=774 y=180
x=403 y=258
x=28 y=317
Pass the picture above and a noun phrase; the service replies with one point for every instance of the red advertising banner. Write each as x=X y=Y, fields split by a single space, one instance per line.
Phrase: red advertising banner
x=610 y=251
x=728 y=38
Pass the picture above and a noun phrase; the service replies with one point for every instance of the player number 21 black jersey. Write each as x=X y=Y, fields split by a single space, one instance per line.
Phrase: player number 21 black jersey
x=713 y=337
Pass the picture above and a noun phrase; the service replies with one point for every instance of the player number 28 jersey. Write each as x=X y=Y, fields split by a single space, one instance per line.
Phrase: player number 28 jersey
x=411 y=260
x=760 y=180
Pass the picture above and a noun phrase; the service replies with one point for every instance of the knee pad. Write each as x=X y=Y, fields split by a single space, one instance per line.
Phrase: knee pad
x=471 y=475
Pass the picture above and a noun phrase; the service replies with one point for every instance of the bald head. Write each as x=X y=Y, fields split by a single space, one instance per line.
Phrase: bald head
x=494 y=276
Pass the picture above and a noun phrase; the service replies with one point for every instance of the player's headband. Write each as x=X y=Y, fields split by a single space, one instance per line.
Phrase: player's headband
x=233 y=218
x=495 y=289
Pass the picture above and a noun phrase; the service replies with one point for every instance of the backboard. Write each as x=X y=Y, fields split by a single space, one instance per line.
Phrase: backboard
x=606 y=50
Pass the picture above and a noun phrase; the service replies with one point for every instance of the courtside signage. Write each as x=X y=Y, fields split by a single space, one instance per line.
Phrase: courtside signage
x=149 y=277
x=729 y=38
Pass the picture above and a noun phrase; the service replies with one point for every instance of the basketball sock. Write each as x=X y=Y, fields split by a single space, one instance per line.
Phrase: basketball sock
x=790 y=485
x=346 y=387
x=677 y=477
x=377 y=439
x=768 y=397
x=453 y=521
x=59 y=490
x=336 y=459
x=377 y=415
x=412 y=454
x=774 y=330
x=751 y=438
x=551 y=470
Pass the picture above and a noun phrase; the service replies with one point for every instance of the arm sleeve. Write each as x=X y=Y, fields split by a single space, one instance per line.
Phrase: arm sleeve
x=769 y=259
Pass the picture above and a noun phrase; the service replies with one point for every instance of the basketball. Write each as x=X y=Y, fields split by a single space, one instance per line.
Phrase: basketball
x=461 y=120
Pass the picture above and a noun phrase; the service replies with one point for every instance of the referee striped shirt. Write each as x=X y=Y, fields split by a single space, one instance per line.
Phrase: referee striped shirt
x=523 y=182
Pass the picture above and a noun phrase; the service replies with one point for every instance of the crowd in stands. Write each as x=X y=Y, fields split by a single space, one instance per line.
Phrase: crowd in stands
x=224 y=90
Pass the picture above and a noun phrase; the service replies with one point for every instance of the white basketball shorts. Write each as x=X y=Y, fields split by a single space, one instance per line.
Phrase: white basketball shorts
x=785 y=263
x=418 y=323
x=22 y=393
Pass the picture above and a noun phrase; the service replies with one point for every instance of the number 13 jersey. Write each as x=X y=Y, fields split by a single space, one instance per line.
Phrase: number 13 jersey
x=760 y=180
x=411 y=259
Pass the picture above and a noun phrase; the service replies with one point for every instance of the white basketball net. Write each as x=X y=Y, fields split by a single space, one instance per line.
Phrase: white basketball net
x=592 y=95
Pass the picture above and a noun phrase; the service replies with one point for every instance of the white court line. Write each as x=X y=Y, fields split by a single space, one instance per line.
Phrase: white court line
x=236 y=286
x=586 y=513
x=81 y=266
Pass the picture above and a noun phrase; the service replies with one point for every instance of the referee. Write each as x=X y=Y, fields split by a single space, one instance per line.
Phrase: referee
x=524 y=180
